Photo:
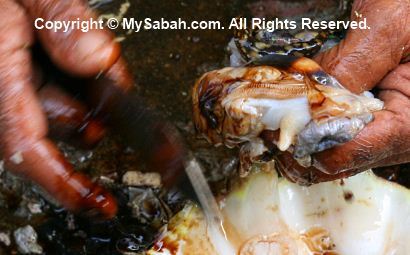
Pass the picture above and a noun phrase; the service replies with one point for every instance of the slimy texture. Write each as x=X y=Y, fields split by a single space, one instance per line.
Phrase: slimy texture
x=310 y=110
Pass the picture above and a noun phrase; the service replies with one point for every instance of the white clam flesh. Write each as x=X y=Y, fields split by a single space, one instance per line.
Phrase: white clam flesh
x=308 y=108
x=266 y=214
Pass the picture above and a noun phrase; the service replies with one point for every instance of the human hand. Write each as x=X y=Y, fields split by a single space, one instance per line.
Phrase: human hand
x=366 y=59
x=25 y=148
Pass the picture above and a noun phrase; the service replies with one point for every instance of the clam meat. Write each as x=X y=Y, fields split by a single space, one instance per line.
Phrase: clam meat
x=308 y=110
x=266 y=214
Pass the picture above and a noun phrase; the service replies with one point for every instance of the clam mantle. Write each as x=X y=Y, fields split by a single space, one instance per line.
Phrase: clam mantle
x=266 y=214
x=294 y=99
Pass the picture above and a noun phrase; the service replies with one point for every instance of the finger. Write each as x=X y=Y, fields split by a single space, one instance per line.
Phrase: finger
x=398 y=79
x=68 y=119
x=375 y=143
x=383 y=142
x=290 y=168
x=311 y=175
x=120 y=76
x=294 y=172
x=80 y=53
x=24 y=148
x=401 y=158
x=316 y=138
x=41 y=162
x=101 y=90
x=385 y=137
x=364 y=57
x=16 y=93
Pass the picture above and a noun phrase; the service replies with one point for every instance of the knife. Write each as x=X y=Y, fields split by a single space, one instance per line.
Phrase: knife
x=163 y=150
x=145 y=130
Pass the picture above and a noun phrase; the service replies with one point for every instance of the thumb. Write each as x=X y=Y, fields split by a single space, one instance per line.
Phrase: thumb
x=365 y=56
x=77 y=52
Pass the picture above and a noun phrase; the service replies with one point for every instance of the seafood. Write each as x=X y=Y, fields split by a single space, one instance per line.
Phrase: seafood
x=310 y=109
x=267 y=214
x=252 y=43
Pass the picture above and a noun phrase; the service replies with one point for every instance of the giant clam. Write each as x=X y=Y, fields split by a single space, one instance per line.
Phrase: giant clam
x=254 y=42
x=266 y=214
x=310 y=109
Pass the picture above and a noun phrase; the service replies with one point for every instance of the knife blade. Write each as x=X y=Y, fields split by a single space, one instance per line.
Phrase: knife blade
x=164 y=151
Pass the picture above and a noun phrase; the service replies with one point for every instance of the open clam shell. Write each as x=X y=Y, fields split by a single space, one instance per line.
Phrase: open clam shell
x=265 y=214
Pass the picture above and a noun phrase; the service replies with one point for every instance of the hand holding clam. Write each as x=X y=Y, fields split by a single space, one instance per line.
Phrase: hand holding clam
x=289 y=103
x=367 y=60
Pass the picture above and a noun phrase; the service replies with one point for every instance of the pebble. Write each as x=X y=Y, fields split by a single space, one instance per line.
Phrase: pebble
x=135 y=178
x=34 y=208
x=26 y=240
x=1 y=167
x=5 y=238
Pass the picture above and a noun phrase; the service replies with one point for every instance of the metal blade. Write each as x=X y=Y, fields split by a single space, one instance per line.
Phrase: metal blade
x=164 y=151
x=216 y=230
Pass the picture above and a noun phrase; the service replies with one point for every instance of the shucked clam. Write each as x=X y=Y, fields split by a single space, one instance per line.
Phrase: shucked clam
x=267 y=215
x=310 y=110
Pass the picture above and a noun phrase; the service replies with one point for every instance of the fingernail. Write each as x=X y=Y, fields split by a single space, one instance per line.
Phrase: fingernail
x=97 y=50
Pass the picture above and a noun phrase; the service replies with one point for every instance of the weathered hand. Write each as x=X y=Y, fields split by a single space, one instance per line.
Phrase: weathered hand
x=366 y=59
x=25 y=148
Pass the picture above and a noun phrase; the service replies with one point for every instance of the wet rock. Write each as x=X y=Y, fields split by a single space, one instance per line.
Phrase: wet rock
x=12 y=189
x=31 y=204
x=129 y=246
x=135 y=178
x=5 y=238
x=147 y=206
x=1 y=167
x=44 y=195
x=26 y=240
x=35 y=207
x=70 y=222
x=75 y=156
x=107 y=181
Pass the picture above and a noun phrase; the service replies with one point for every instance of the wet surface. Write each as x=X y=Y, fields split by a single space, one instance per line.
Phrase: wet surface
x=165 y=65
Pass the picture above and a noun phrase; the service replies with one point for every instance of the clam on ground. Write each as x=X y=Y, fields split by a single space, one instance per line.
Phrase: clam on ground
x=266 y=214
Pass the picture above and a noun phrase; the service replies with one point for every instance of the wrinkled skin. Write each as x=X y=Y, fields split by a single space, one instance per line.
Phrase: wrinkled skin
x=25 y=146
x=239 y=106
x=366 y=60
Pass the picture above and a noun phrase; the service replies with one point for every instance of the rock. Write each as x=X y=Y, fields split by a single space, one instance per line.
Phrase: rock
x=5 y=238
x=26 y=240
x=147 y=206
x=30 y=204
x=1 y=167
x=34 y=207
x=135 y=178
